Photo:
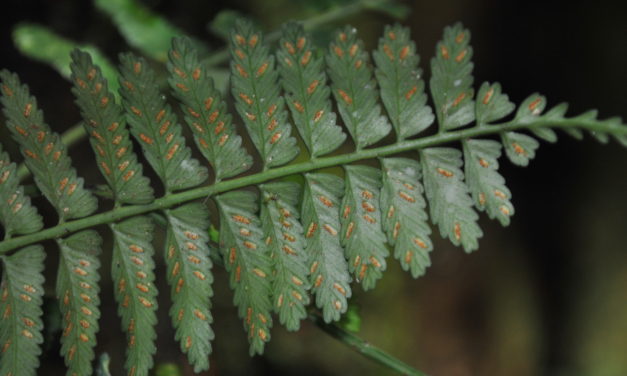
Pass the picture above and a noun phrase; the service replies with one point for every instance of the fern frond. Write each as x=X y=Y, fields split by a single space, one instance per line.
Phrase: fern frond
x=329 y=276
x=205 y=111
x=254 y=84
x=307 y=93
x=132 y=270
x=21 y=293
x=190 y=278
x=362 y=236
x=248 y=263
x=18 y=216
x=402 y=86
x=155 y=126
x=492 y=104
x=77 y=290
x=485 y=183
x=519 y=147
x=355 y=90
x=284 y=239
x=450 y=205
x=404 y=215
x=451 y=79
x=44 y=153
x=105 y=123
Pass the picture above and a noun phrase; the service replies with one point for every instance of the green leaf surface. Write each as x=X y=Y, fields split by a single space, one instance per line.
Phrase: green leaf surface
x=254 y=85
x=248 y=263
x=402 y=86
x=486 y=185
x=77 y=290
x=404 y=214
x=355 y=90
x=18 y=216
x=155 y=126
x=44 y=153
x=307 y=93
x=21 y=293
x=329 y=276
x=132 y=271
x=206 y=111
x=451 y=79
x=519 y=148
x=105 y=123
x=492 y=104
x=190 y=278
x=283 y=235
x=361 y=235
x=450 y=205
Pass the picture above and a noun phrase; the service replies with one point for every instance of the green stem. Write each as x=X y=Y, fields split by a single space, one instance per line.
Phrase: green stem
x=174 y=199
x=364 y=348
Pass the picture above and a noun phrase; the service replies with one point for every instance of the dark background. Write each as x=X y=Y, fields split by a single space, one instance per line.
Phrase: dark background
x=545 y=296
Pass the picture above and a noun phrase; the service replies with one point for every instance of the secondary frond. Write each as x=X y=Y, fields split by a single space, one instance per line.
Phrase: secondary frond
x=154 y=125
x=105 y=122
x=355 y=90
x=77 y=290
x=21 y=293
x=18 y=216
x=190 y=279
x=206 y=111
x=44 y=153
x=283 y=236
x=246 y=259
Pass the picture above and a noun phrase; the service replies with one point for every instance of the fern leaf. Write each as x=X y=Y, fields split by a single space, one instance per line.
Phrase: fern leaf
x=451 y=79
x=329 y=276
x=402 y=88
x=257 y=96
x=190 y=278
x=77 y=290
x=450 y=205
x=405 y=218
x=22 y=290
x=105 y=123
x=283 y=236
x=355 y=90
x=307 y=93
x=17 y=216
x=154 y=125
x=248 y=263
x=519 y=148
x=362 y=236
x=485 y=183
x=44 y=153
x=205 y=111
x=492 y=104
x=132 y=270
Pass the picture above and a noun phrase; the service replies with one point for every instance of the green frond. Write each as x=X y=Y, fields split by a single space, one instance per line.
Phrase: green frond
x=486 y=185
x=21 y=293
x=18 y=216
x=404 y=214
x=44 y=153
x=329 y=276
x=451 y=79
x=519 y=148
x=361 y=234
x=450 y=205
x=77 y=290
x=254 y=85
x=154 y=125
x=355 y=90
x=190 y=279
x=402 y=86
x=105 y=123
x=132 y=271
x=246 y=259
x=283 y=236
x=206 y=111
x=492 y=104
x=307 y=93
